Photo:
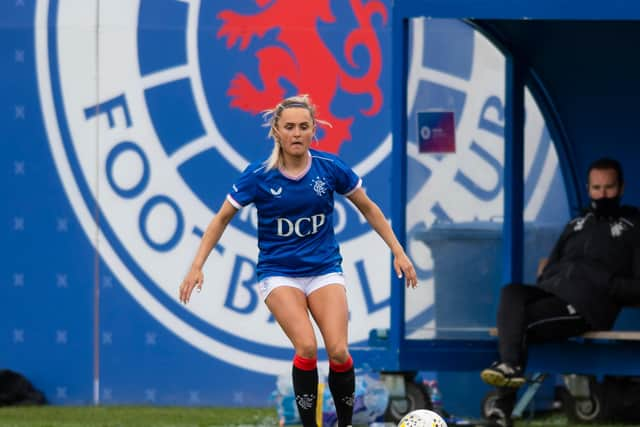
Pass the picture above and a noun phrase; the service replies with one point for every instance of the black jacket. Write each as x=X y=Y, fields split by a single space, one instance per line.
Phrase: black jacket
x=595 y=265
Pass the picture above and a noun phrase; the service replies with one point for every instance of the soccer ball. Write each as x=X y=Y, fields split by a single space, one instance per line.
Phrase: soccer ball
x=422 y=418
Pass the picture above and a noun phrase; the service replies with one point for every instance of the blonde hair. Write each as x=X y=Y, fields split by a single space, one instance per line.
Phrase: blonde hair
x=271 y=118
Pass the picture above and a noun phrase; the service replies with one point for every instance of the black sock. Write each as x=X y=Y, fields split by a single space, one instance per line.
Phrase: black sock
x=305 y=387
x=342 y=383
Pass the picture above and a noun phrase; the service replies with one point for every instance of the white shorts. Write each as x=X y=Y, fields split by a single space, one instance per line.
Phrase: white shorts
x=305 y=284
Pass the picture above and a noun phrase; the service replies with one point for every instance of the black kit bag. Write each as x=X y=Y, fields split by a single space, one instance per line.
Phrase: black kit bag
x=15 y=389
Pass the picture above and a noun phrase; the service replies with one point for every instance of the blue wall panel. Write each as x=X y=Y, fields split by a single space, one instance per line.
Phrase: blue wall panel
x=46 y=291
x=107 y=182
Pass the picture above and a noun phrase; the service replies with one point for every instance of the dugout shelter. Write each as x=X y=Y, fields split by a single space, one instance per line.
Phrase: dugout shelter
x=578 y=59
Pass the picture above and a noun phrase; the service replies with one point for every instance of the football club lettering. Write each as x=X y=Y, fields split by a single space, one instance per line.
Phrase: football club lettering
x=108 y=108
x=244 y=283
x=491 y=105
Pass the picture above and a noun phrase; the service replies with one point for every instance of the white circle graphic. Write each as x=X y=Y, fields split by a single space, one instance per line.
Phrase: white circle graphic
x=112 y=160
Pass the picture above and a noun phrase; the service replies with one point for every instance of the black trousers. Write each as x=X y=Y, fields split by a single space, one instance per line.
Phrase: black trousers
x=529 y=314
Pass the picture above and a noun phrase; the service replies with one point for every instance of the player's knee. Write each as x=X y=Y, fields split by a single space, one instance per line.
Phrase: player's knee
x=338 y=353
x=308 y=350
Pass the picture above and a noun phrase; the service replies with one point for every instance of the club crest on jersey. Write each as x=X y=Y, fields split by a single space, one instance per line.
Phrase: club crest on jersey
x=319 y=186
x=619 y=227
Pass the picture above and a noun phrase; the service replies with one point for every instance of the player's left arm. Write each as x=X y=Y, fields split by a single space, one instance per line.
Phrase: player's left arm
x=372 y=212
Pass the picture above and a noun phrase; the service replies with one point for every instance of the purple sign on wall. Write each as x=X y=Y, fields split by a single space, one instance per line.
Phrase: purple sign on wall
x=436 y=132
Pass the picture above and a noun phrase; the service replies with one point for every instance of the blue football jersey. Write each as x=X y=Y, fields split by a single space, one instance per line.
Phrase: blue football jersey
x=295 y=215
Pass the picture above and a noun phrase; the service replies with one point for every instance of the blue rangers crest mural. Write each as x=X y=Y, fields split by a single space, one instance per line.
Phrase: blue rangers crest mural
x=152 y=112
x=176 y=116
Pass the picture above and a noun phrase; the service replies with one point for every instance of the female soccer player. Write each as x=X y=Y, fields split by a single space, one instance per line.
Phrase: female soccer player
x=299 y=263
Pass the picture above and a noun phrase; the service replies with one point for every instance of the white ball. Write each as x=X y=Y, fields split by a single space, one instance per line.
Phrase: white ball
x=422 y=418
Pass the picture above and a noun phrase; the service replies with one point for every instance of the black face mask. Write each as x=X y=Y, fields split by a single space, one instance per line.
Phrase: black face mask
x=606 y=206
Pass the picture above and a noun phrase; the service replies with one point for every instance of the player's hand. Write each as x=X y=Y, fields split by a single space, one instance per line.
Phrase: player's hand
x=404 y=268
x=193 y=281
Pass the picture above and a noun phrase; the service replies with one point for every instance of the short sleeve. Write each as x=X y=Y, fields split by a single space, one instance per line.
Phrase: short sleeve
x=347 y=181
x=244 y=189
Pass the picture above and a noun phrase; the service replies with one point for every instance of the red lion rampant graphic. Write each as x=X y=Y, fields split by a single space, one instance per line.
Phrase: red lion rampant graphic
x=304 y=60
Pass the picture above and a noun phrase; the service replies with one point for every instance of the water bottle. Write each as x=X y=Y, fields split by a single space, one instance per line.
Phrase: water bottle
x=376 y=399
x=436 y=396
x=285 y=401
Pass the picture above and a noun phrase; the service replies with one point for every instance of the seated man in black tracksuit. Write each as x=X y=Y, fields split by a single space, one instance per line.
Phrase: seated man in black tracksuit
x=593 y=270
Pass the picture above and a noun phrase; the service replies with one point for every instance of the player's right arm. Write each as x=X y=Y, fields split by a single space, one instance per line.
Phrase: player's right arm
x=210 y=238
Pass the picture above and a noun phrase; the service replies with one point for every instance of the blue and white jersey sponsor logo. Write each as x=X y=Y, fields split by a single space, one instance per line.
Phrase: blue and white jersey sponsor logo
x=301 y=227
